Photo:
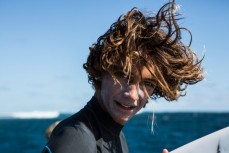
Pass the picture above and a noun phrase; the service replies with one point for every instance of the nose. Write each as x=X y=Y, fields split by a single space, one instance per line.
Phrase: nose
x=132 y=92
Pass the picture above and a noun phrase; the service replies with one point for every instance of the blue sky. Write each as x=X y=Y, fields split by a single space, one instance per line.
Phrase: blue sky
x=43 y=45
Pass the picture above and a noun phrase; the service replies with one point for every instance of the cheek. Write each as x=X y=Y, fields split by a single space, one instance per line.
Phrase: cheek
x=143 y=96
x=143 y=103
x=108 y=90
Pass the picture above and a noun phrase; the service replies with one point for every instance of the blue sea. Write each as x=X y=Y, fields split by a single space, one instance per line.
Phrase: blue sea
x=171 y=130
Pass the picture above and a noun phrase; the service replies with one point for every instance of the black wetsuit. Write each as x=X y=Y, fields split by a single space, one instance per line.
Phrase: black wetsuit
x=91 y=130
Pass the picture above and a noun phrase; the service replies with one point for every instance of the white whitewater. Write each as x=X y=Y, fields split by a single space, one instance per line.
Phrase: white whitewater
x=32 y=115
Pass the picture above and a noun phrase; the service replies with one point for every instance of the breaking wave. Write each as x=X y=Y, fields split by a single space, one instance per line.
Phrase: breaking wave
x=31 y=115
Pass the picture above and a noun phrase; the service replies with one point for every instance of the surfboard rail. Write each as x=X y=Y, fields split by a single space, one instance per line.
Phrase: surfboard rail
x=216 y=142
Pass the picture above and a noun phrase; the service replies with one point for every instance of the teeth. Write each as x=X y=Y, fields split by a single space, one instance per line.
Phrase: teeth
x=126 y=106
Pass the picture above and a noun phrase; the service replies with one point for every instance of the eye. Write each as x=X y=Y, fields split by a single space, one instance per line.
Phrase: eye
x=120 y=74
x=149 y=86
x=148 y=83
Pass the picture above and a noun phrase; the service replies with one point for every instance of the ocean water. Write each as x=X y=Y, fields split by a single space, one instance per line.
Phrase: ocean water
x=171 y=130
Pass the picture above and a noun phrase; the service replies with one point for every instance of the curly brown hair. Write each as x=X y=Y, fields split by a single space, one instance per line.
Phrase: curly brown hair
x=150 y=41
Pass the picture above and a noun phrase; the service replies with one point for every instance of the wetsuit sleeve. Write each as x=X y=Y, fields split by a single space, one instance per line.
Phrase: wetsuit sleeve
x=72 y=140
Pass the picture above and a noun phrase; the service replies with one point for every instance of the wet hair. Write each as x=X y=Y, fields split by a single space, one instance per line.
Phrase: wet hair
x=152 y=41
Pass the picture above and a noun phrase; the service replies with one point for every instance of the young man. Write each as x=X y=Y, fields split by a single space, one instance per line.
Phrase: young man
x=138 y=58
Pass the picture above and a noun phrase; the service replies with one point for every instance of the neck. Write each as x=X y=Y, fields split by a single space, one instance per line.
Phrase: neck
x=99 y=98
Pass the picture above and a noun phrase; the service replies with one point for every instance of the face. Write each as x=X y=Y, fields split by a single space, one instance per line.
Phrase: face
x=124 y=99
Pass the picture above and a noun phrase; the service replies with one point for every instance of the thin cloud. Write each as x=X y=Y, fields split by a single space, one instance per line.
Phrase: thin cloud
x=4 y=88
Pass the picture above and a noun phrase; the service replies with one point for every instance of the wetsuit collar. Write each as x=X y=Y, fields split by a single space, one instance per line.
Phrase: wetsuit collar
x=105 y=119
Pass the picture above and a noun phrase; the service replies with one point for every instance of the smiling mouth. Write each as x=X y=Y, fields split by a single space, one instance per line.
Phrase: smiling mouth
x=126 y=107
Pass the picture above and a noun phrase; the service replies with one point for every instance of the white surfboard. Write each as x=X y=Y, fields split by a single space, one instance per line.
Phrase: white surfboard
x=217 y=142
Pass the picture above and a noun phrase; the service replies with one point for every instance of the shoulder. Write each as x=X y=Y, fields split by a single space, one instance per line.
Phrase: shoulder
x=69 y=139
x=74 y=132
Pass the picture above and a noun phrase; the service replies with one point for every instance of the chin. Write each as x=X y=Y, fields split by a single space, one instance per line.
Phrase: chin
x=123 y=121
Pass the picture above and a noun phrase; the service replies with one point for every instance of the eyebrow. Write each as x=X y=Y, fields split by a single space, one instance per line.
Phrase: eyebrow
x=148 y=79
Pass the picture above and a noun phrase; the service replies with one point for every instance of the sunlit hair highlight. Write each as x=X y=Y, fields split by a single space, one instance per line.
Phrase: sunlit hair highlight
x=137 y=40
